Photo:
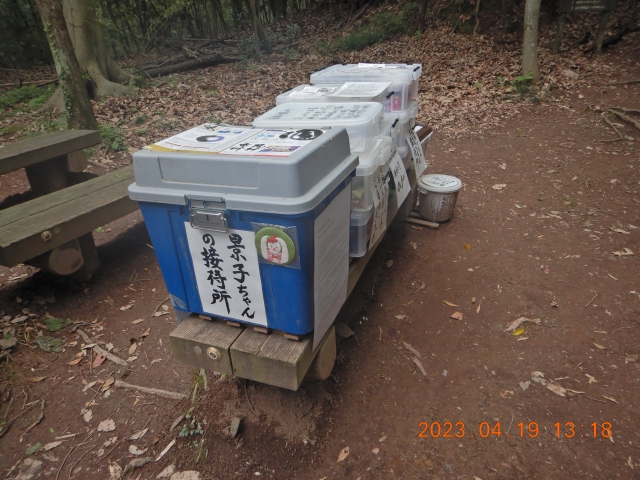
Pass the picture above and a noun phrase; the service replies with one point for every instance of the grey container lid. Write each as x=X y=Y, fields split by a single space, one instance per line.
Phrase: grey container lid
x=291 y=184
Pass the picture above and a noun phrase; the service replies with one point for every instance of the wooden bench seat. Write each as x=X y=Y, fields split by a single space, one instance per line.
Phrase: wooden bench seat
x=42 y=224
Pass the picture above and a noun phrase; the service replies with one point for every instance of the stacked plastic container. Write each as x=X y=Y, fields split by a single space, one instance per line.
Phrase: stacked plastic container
x=347 y=92
x=361 y=120
x=401 y=105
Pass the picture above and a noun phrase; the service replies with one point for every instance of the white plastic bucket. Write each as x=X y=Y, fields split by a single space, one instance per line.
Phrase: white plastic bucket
x=438 y=195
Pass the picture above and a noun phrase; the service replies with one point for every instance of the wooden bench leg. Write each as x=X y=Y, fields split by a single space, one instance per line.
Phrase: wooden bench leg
x=49 y=176
x=91 y=261
x=63 y=260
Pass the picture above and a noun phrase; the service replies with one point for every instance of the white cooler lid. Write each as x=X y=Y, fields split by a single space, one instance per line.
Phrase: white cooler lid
x=249 y=169
x=438 y=183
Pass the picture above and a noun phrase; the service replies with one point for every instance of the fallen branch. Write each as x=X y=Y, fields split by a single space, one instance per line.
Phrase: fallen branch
x=621 y=137
x=159 y=305
x=151 y=391
x=626 y=110
x=39 y=83
x=626 y=82
x=192 y=64
x=104 y=353
x=626 y=118
x=38 y=420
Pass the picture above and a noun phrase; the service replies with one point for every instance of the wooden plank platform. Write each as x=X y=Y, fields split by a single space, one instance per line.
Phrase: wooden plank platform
x=43 y=147
x=269 y=358
x=47 y=222
x=204 y=344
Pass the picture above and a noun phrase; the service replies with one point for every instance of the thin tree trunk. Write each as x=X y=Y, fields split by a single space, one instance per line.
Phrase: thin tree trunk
x=74 y=92
x=602 y=27
x=530 y=40
x=422 y=18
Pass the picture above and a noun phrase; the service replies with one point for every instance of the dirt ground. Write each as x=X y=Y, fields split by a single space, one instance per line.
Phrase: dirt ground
x=547 y=227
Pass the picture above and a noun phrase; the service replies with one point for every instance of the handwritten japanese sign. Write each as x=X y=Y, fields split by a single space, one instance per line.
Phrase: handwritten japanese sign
x=416 y=150
x=565 y=6
x=400 y=177
x=380 y=207
x=227 y=274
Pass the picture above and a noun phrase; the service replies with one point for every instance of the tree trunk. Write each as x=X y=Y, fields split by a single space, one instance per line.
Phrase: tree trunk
x=91 y=51
x=259 y=33
x=90 y=47
x=530 y=40
x=73 y=91
x=422 y=18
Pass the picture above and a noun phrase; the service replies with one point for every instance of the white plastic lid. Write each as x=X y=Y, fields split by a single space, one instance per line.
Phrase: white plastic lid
x=437 y=183
x=361 y=89
x=393 y=72
x=303 y=93
x=320 y=115
x=370 y=163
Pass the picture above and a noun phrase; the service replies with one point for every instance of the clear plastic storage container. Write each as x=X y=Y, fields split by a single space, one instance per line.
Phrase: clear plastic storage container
x=404 y=79
x=337 y=93
x=361 y=120
x=400 y=122
x=362 y=183
x=360 y=231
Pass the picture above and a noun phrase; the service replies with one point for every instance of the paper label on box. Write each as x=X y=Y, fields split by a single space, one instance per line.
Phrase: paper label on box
x=207 y=138
x=331 y=263
x=313 y=91
x=291 y=112
x=416 y=150
x=400 y=177
x=361 y=89
x=227 y=274
x=274 y=143
x=380 y=207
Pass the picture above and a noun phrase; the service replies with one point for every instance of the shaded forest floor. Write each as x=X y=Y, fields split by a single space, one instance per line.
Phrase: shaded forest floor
x=545 y=244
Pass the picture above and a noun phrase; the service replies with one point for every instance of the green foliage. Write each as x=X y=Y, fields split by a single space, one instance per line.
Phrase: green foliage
x=140 y=119
x=55 y=324
x=410 y=13
x=112 y=138
x=49 y=344
x=521 y=84
x=191 y=428
x=380 y=28
x=201 y=452
x=30 y=95
x=21 y=35
x=324 y=48
x=290 y=54
x=36 y=447
x=292 y=30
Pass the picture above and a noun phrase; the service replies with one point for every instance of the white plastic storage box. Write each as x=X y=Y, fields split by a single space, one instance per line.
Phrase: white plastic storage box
x=362 y=183
x=400 y=123
x=250 y=225
x=347 y=92
x=360 y=231
x=362 y=120
x=404 y=79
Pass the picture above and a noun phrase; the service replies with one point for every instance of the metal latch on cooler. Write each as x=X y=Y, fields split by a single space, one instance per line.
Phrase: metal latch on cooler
x=207 y=215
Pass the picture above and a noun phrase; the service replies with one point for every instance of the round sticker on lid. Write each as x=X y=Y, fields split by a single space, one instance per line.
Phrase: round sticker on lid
x=439 y=183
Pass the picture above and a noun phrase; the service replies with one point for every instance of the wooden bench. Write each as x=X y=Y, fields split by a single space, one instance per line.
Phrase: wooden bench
x=53 y=231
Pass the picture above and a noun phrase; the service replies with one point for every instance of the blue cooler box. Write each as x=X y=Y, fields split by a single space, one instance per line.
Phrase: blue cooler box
x=250 y=225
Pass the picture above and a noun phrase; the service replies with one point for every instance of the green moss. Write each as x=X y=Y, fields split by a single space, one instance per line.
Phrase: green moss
x=381 y=27
x=26 y=96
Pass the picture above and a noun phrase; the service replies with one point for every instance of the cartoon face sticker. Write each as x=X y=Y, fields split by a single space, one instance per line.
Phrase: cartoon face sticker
x=274 y=250
x=275 y=246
